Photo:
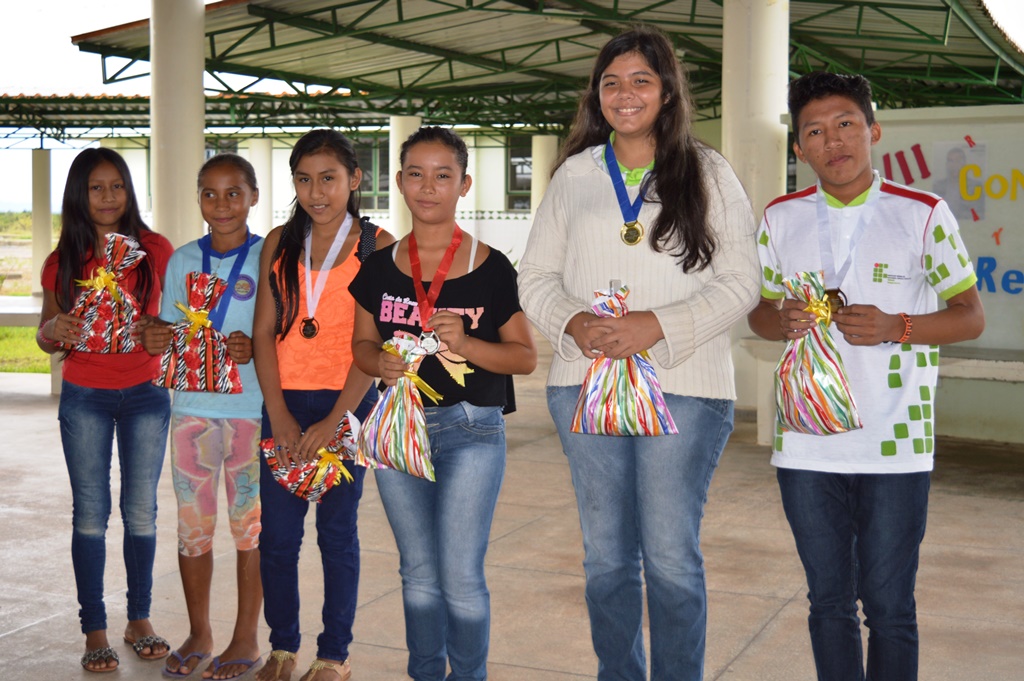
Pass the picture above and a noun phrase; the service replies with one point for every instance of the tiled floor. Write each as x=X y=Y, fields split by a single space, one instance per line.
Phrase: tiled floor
x=970 y=586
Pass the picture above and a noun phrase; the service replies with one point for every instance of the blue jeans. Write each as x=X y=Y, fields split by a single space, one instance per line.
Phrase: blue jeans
x=859 y=536
x=89 y=420
x=281 y=539
x=442 y=529
x=642 y=498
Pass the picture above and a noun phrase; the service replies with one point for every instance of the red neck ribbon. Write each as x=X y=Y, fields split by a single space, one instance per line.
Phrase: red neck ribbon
x=425 y=301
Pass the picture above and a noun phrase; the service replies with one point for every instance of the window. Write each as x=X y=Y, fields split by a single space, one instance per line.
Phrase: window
x=520 y=172
x=372 y=154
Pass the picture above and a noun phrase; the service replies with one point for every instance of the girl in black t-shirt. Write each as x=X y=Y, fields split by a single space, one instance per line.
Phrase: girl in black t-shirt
x=459 y=296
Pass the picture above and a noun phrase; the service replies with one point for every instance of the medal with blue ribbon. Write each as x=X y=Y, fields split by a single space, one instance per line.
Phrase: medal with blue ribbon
x=632 y=231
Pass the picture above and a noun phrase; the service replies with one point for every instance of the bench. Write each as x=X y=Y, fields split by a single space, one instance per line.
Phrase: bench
x=986 y=364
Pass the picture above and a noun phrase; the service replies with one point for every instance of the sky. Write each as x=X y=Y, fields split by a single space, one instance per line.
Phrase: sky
x=41 y=41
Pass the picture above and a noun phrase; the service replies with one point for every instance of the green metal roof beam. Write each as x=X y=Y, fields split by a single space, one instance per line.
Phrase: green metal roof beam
x=380 y=39
x=973 y=27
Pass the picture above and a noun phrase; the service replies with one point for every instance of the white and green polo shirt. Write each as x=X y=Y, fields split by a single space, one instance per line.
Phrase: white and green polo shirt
x=910 y=251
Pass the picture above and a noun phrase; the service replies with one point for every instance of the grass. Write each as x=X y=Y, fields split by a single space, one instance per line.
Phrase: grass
x=19 y=352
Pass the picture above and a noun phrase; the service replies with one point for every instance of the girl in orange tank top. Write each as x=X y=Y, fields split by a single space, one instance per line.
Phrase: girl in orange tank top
x=302 y=345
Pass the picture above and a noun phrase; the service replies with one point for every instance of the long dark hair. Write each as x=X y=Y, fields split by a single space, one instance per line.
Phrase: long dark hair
x=78 y=242
x=433 y=133
x=285 y=285
x=677 y=180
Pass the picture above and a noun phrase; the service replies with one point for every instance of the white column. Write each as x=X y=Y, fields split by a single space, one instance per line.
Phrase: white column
x=544 y=151
x=177 y=109
x=755 y=73
x=261 y=218
x=400 y=128
x=42 y=216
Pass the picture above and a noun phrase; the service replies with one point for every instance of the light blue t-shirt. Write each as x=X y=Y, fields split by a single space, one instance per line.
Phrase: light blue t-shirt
x=189 y=258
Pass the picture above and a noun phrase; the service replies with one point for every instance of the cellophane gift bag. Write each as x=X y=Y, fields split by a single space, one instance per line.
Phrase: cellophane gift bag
x=621 y=396
x=108 y=310
x=394 y=433
x=197 y=360
x=812 y=393
x=313 y=479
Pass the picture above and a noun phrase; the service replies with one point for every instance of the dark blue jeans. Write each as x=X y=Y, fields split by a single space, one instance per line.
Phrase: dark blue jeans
x=859 y=537
x=89 y=420
x=281 y=539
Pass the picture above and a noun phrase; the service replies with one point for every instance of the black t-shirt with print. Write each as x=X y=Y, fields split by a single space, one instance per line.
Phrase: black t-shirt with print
x=486 y=299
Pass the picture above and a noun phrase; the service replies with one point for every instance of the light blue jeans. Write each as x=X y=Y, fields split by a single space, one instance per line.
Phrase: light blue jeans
x=89 y=420
x=442 y=529
x=641 y=499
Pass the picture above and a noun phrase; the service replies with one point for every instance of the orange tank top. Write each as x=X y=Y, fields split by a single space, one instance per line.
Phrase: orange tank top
x=321 y=362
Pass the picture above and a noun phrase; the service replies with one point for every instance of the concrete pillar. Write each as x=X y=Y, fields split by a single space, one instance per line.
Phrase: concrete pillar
x=544 y=151
x=42 y=216
x=261 y=218
x=755 y=73
x=401 y=127
x=177 y=109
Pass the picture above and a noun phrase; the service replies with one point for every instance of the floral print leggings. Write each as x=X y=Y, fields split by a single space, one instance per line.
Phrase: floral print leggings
x=199 y=448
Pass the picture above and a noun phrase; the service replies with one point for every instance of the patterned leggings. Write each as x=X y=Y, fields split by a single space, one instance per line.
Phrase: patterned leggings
x=199 y=447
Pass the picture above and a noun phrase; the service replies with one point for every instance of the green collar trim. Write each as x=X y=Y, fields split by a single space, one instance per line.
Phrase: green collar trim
x=833 y=202
x=633 y=175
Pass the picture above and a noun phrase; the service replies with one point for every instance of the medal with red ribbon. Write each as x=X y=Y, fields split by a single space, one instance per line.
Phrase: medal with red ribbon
x=425 y=300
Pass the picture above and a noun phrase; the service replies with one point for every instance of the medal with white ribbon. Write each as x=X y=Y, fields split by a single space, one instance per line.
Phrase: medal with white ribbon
x=310 y=327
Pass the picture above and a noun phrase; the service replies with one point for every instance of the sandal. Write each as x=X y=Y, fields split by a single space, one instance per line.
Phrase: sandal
x=150 y=642
x=280 y=657
x=343 y=670
x=100 y=654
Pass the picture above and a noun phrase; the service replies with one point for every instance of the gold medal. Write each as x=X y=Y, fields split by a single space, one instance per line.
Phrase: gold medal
x=632 y=233
x=836 y=299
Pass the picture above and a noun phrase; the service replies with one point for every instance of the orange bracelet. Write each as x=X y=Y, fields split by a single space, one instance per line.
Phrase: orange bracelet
x=909 y=327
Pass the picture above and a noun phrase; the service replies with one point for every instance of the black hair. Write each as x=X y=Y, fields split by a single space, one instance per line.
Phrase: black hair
x=78 y=240
x=820 y=84
x=285 y=284
x=444 y=136
x=234 y=161
x=677 y=179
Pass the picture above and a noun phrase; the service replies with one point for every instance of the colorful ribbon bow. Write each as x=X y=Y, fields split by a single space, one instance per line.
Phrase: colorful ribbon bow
x=102 y=279
x=327 y=458
x=197 y=319
x=820 y=308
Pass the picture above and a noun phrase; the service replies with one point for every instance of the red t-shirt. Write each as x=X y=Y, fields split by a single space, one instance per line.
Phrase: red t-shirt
x=123 y=370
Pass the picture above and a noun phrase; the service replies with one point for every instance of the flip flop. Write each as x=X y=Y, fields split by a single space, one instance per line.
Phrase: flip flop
x=176 y=673
x=150 y=642
x=248 y=664
x=100 y=654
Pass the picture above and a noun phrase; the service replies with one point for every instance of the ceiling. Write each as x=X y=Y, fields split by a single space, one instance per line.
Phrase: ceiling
x=502 y=63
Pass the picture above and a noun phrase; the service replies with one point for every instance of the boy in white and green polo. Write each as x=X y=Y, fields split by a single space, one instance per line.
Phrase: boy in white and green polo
x=857 y=501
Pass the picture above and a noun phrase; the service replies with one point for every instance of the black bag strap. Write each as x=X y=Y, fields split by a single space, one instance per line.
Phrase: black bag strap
x=367 y=238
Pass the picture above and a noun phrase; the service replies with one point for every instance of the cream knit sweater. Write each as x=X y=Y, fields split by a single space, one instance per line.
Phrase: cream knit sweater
x=574 y=248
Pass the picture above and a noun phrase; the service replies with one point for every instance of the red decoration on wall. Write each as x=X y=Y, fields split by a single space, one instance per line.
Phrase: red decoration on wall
x=974 y=214
x=921 y=163
x=996 y=234
x=970 y=142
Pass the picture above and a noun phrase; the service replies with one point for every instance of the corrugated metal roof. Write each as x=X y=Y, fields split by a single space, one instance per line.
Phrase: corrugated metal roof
x=505 y=62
